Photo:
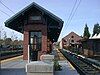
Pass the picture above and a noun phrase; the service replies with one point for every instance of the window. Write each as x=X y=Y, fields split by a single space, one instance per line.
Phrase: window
x=72 y=41
x=72 y=36
x=34 y=18
x=35 y=40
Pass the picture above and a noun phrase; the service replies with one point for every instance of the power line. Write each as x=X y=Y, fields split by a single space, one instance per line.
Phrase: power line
x=70 y=14
x=5 y=13
x=7 y=7
x=66 y=25
x=73 y=12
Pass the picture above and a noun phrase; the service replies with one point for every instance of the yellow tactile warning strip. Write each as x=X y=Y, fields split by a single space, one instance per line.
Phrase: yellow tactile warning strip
x=61 y=57
x=10 y=59
x=71 y=66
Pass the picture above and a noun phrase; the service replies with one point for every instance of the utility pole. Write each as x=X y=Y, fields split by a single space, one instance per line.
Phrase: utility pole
x=5 y=36
x=12 y=38
x=1 y=29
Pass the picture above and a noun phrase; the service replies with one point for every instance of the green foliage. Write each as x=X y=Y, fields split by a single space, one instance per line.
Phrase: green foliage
x=86 y=34
x=96 y=29
x=67 y=47
x=8 y=41
x=1 y=41
x=85 y=45
x=57 y=67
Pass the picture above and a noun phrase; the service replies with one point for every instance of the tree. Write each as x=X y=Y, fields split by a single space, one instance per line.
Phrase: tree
x=86 y=34
x=20 y=42
x=8 y=41
x=5 y=35
x=96 y=29
x=1 y=41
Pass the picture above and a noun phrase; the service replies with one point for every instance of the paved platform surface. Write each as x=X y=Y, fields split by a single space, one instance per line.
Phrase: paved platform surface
x=66 y=69
x=13 y=66
x=16 y=66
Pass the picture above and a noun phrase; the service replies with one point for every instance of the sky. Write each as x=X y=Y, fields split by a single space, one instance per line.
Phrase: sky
x=88 y=12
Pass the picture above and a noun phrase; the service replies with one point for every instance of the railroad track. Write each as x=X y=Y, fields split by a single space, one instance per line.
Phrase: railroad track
x=81 y=65
x=9 y=56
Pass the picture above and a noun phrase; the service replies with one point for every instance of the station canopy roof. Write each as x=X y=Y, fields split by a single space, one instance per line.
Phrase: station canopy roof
x=54 y=23
x=96 y=36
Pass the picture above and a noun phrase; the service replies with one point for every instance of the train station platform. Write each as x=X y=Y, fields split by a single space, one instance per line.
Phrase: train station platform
x=67 y=68
x=13 y=66
x=16 y=66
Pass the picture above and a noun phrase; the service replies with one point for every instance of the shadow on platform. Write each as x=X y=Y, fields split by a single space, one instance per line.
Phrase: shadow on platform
x=12 y=71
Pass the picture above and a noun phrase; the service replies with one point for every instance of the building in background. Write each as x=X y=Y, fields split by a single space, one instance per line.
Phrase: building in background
x=72 y=39
x=91 y=47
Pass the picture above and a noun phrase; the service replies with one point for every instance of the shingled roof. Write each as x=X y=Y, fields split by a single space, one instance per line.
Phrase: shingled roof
x=54 y=23
x=29 y=7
